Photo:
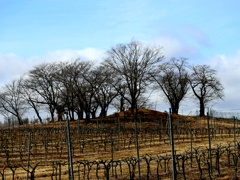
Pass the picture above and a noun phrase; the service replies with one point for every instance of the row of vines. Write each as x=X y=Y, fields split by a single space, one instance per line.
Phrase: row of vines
x=107 y=150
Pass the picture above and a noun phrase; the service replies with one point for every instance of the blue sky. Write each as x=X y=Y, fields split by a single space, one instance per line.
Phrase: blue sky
x=206 y=32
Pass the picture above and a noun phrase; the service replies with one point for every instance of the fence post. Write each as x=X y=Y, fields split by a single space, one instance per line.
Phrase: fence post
x=29 y=153
x=172 y=146
x=209 y=143
x=70 y=164
x=119 y=130
x=191 y=143
x=137 y=145
x=235 y=139
x=112 y=151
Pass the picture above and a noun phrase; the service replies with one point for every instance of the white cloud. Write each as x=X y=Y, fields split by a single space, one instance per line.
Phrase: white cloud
x=227 y=67
x=173 y=47
x=68 y=54
x=196 y=35
x=13 y=66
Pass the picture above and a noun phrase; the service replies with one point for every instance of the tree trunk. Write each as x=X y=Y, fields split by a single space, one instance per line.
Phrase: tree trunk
x=122 y=103
x=80 y=114
x=88 y=114
x=36 y=111
x=20 y=122
x=202 y=108
x=72 y=115
x=51 y=108
x=133 y=105
x=38 y=115
x=175 y=108
x=52 y=115
x=103 y=112
x=93 y=113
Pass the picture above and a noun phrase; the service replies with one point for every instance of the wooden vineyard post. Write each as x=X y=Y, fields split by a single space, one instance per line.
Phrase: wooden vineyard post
x=112 y=150
x=191 y=143
x=209 y=143
x=137 y=145
x=235 y=138
x=70 y=164
x=174 y=174
x=119 y=129
x=29 y=153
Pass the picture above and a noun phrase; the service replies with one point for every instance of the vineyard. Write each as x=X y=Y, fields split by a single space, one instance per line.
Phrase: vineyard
x=107 y=149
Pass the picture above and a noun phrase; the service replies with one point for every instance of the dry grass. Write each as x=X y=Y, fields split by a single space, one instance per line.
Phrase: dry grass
x=152 y=143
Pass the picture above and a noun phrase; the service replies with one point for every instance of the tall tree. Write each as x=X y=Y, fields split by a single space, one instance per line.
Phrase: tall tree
x=78 y=87
x=31 y=97
x=84 y=90
x=91 y=87
x=205 y=85
x=11 y=100
x=65 y=76
x=106 y=88
x=173 y=81
x=42 y=81
x=119 y=102
x=134 y=63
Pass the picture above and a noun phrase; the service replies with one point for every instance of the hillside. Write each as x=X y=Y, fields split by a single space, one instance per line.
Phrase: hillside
x=107 y=150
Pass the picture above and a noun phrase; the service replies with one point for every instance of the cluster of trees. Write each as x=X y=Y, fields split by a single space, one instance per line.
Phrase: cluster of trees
x=122 y=80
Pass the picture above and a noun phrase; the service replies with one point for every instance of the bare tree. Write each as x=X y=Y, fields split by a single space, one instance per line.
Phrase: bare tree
x=67 y=76
x=133 y=63
x=173 y=81
x=106 y=91
x=93 y=82
x=205 y=85
x=82 y=88
x=12 y=101
x=31 y=97
x=119 y=102
x=42 y=81
x=78 y=87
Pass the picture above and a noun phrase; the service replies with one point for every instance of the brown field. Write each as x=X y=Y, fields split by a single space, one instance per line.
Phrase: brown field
x=103 y=150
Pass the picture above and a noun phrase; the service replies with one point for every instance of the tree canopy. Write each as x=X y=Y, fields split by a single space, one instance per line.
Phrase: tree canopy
x=123 y=80
x=205 y=85
x=173 y=81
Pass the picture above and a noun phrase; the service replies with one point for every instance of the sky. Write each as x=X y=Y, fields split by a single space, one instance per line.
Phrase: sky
x=205 y=32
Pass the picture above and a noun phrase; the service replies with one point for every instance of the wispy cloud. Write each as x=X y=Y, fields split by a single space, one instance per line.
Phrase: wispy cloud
x=196 y=35
x=69 y=54
x=174 y=47
x=13 y=66
x=227 y=67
